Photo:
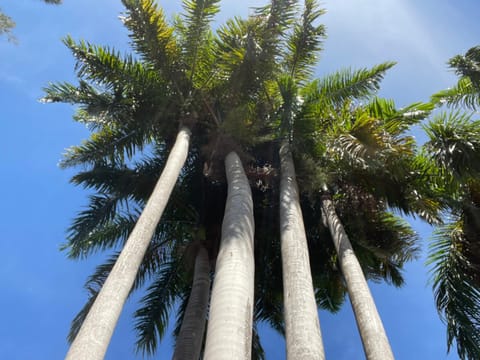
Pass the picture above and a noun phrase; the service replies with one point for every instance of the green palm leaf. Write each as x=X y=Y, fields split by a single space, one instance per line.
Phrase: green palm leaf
x=457 y=295
x=454 y=143
x=194 y=29
x=461 y=94
x=468 y=65
x=152 y=37
x=154 y=257
x=304 y=43
x=346 y=85
x=151 y=319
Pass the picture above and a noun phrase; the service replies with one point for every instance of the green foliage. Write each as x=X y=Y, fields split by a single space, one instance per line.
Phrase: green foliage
x=152 y=317
x=336 y=89
x=6 y=26
x=151 y=36
x=154 y=257
x=454 y=144
x=304 y=43
x=195 y=33
x=461 y=94
x=243 y=87
x=467 y=90
x=468 y=66
x=111 y=145
x=456 y=291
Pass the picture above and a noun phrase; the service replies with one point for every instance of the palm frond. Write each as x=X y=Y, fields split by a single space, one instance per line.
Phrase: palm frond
x=454 y=143
x=456 y=295
x=277 y=17
x=304 y=43
x=182 y=303
x=195 y=30
x=468 y=66
x=151 y=319
x=398 y=120
x=106 y=66
x=389 y=243
x=136 y=182
x=346 y=85
x=81 y=315
x=101 y=210
x=330 y=291
x=153 y=259
x=462 y=94
x=111 y=144
x=152 y=37
x=93 y=285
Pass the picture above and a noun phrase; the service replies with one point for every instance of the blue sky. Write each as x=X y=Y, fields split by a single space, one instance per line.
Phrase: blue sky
x=42 y=290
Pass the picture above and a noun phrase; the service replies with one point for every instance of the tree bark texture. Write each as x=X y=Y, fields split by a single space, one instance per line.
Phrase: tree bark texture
x=92 y=341
x=302 y=326
x=190 y=337
x=374 y=338
x=229 y=333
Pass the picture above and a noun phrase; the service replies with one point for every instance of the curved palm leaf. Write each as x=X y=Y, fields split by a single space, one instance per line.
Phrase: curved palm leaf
x=152 y=37
x=151 y=319
x=304 y=43
x=454 y=144
x=456 y=292
x=461 y=94
x=345 y=85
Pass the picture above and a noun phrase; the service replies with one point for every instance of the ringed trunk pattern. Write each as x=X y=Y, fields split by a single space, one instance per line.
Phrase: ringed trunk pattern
x=92 y=340
x=374 y=338
x=190 y=338
x=229 y=333
x=302 y=326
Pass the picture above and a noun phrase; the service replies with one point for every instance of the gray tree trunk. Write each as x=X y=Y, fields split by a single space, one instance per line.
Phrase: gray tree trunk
x=190 y=338
x=229 y=333
x=302 y=326
x=92 y=340
x=374 y=338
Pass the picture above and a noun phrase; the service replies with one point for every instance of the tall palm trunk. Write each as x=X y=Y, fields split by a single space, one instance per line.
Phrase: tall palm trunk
x=374 y=338
x=190 y=338
x=229 y=333
x=302 y=327
x=94 y=336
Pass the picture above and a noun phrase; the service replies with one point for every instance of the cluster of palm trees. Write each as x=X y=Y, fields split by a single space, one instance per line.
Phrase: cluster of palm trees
x=280 y=188
x=454 y=150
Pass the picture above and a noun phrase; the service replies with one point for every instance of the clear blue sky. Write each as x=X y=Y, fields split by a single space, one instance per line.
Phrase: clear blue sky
x=42 y=290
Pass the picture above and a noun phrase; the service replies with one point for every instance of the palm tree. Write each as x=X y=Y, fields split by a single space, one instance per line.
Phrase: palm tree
x=302 y=328
x=152 y=93
x=226 y=86
x=190 y=337
x=467 y=90
x=154 y=40
x=454 y=149
x=451 y=159
x=229 y=333
x=98 y=326
x=360 y=141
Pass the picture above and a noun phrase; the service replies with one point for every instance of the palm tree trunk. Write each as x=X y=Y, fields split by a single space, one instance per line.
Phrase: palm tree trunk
x=302 y=326
x=374 y=338
x=190 y=338
x=92 y=341
x=229 y=333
